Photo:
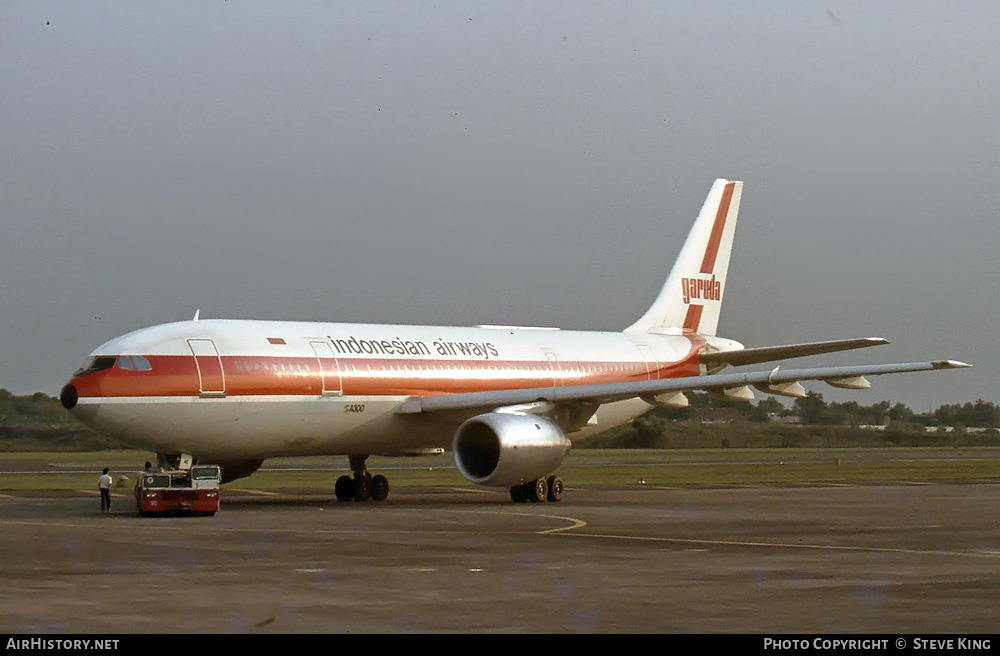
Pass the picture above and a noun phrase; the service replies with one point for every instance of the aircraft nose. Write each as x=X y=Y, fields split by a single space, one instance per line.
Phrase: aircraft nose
x=69 y=396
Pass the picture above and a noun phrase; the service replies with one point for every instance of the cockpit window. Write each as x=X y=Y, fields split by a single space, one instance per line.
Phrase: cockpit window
x=100 y=363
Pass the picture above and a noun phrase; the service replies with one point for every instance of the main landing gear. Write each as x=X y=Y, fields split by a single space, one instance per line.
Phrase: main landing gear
x=363 y=486
x=542 y=489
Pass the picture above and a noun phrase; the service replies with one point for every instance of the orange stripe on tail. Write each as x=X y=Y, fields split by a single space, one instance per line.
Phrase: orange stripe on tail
x=693 y=318
x=712 y=251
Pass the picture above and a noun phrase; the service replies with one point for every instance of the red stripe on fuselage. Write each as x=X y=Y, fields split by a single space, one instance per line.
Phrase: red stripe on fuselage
x=712 y=250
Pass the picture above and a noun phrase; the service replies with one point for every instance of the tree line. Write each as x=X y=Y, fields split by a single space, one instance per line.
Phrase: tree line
x=813 y=410
x=41 y=409
x=40 y=419
x=718 y=422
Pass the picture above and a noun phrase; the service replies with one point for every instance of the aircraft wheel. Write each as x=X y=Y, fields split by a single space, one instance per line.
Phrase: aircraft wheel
x=379 y=487
x=344 y=489
x=538 y=491
x=362 y=488
x=555 y=488
x=518 y=494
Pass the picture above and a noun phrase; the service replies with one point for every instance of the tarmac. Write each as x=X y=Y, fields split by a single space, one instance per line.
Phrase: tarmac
x=832 y=559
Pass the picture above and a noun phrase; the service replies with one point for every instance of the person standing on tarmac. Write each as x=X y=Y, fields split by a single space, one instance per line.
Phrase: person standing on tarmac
x=104 y=484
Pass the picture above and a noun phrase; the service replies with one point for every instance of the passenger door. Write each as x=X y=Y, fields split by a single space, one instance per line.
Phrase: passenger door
x=329 y=368
x=652 y=365
x=211 y=379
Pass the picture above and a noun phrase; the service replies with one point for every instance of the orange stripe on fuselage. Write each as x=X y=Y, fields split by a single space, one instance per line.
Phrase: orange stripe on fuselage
x=177 y=376
x=712 y=250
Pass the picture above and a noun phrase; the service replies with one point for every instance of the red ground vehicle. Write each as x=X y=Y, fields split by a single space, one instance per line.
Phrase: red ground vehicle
x=194 y=490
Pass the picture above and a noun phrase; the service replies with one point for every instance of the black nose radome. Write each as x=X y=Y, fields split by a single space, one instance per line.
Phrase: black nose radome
x=68 y=397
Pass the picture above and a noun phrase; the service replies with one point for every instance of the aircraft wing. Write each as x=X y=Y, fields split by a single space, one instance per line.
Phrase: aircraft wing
x=777 y=380
x=772 y=353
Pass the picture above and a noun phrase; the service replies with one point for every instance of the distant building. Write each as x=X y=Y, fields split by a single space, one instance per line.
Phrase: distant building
x=718 y=415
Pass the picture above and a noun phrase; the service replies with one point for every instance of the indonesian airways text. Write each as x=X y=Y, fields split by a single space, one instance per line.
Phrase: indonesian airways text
x=401 y=346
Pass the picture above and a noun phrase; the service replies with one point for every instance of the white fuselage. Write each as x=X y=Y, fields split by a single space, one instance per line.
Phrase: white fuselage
x=259 y=389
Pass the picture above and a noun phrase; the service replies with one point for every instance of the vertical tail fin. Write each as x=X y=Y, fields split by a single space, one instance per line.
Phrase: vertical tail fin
x=691 y=297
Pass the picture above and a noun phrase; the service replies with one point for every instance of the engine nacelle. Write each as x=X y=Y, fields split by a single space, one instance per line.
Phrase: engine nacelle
x=508 y=449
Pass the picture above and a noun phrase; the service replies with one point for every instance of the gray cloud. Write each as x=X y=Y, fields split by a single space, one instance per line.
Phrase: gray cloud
x=537 y=164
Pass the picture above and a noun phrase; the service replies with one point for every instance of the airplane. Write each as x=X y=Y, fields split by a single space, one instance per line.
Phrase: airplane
x=506 y=400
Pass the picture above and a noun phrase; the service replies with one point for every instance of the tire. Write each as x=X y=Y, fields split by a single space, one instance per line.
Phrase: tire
x=518 y=494
x=344 y=489
x=555 y=488
x=379 y=487
x=538 y=491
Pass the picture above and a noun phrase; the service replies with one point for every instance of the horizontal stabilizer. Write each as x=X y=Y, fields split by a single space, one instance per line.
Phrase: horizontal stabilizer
x=772 y=353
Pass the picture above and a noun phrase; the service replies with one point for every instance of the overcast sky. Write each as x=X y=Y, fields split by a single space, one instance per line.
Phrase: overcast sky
x=502 y=162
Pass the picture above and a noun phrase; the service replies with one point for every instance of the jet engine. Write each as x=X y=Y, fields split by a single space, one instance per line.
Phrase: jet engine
x=505 y=450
